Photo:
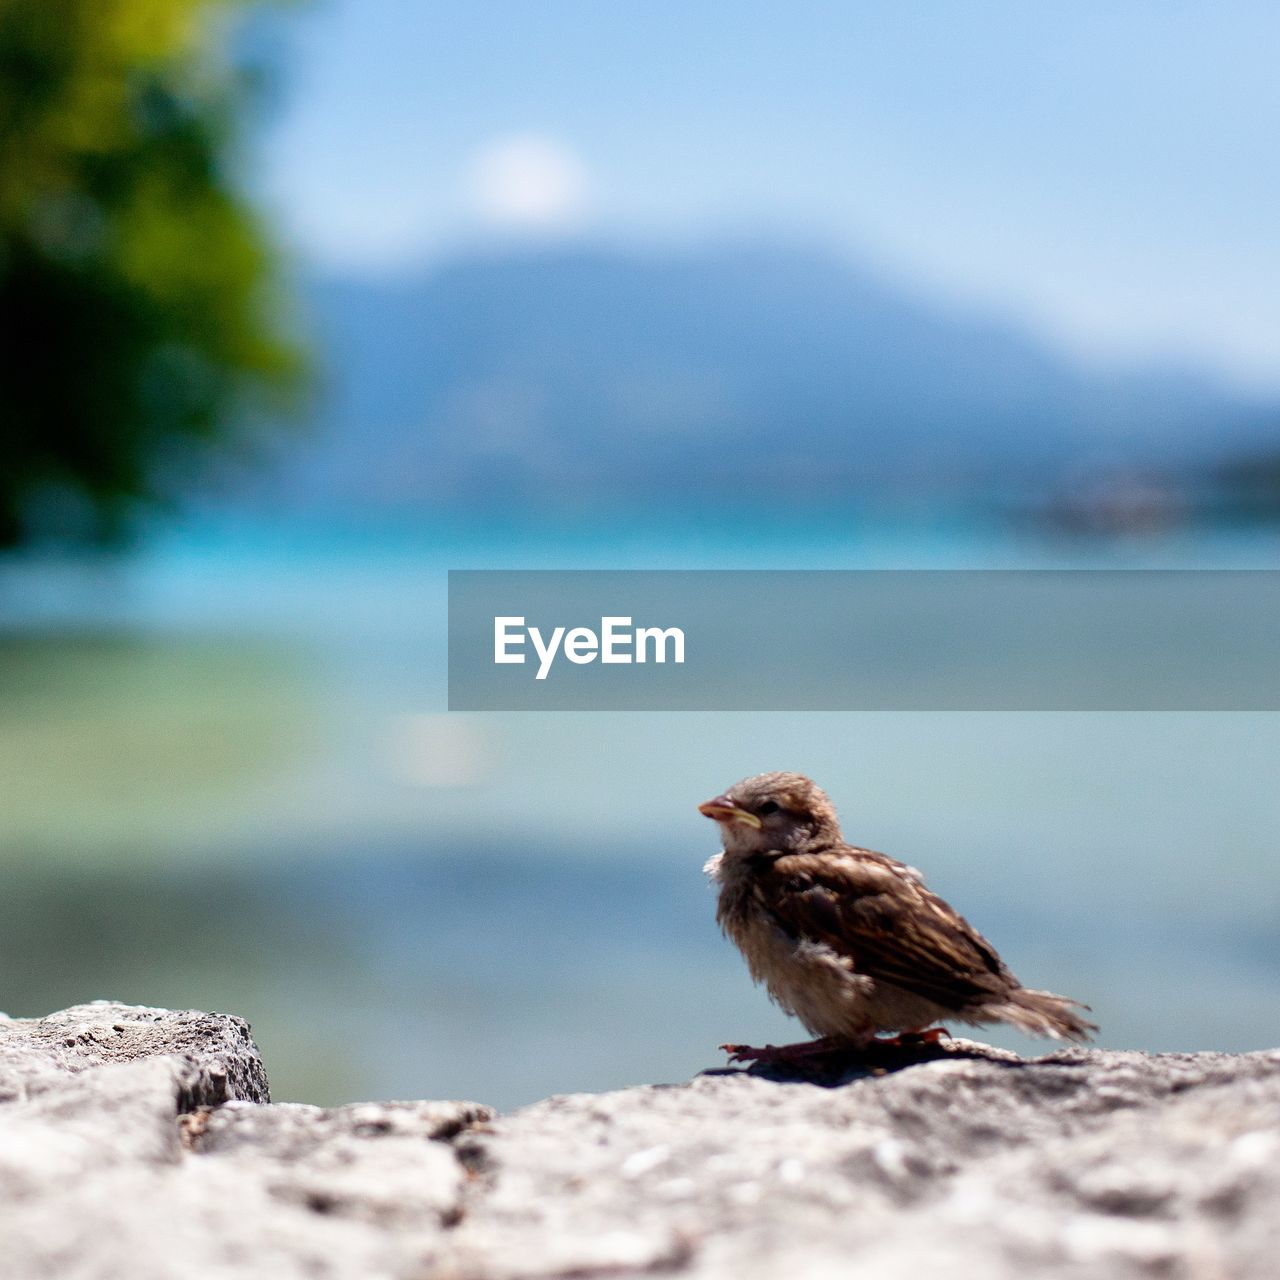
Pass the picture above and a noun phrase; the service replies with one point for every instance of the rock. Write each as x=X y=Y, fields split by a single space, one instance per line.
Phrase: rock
x=1086 y=1163
x=137 y=1143
x=120 y=1157
x=388 y=1164
x=212 y=1054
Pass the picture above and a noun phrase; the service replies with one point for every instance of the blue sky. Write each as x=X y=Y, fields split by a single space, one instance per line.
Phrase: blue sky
x=1106 y=171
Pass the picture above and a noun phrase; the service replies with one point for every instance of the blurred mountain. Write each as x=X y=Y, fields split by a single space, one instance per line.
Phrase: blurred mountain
x=591 y=377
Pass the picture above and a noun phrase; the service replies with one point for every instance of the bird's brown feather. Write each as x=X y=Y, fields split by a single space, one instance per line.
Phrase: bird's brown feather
x=872 y=910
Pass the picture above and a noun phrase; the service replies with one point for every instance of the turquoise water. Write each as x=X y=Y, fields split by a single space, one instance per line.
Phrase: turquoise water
x=229 y=781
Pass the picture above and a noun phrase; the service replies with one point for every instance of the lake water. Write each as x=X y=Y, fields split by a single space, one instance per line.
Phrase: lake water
x=229 y=782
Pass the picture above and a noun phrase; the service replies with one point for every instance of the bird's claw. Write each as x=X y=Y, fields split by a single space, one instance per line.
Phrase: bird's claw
x=795 y=1053
x=912 y=1039
x=746 y=1052
x=779 y=1052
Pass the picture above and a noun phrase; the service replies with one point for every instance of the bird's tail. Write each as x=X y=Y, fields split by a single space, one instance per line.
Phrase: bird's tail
x=1044 y=1014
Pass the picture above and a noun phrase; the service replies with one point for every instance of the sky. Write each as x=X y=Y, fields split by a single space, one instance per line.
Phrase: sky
x=1106 y=173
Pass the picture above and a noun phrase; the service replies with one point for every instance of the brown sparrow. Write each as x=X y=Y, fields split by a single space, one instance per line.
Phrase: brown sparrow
x=850 y=941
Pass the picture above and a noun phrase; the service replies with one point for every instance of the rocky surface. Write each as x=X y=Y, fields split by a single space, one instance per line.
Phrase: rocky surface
x=138 y=1142
x=212 y=1056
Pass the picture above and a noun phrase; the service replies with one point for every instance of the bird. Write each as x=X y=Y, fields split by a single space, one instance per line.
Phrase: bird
x=850 y=941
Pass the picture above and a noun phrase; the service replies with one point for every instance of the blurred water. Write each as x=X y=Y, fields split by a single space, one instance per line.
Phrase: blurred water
x=228 y=782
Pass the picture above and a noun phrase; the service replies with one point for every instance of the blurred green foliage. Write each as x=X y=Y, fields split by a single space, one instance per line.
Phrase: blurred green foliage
x=143 y=314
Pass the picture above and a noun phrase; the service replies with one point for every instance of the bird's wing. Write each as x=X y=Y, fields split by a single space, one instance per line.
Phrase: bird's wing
x=878 y=914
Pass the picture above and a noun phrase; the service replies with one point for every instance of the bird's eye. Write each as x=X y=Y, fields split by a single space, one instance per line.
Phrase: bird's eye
x=767 y=808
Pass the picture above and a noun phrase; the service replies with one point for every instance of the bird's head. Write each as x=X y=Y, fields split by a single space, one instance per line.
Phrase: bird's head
x=773 y=812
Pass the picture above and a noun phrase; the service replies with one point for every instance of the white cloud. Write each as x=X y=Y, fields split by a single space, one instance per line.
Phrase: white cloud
x=528 y=182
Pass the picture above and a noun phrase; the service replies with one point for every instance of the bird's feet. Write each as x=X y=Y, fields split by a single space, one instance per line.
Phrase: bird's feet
x=830 y=1046
x=914 y=1039
x=785 y=1053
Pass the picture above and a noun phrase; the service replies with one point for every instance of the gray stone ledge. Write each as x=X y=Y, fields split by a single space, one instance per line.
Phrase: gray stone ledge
x=140 y=1143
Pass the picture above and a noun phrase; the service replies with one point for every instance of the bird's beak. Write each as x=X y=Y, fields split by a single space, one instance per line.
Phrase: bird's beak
x=722 y=809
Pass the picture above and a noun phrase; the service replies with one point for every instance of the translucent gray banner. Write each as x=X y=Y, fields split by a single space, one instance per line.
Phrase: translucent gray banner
x=871 y=640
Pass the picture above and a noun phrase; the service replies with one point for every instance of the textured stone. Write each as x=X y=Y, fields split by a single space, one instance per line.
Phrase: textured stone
x=1082 y=1164
x=215 y=1056
x=118 y=1159
x=136 y=1143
